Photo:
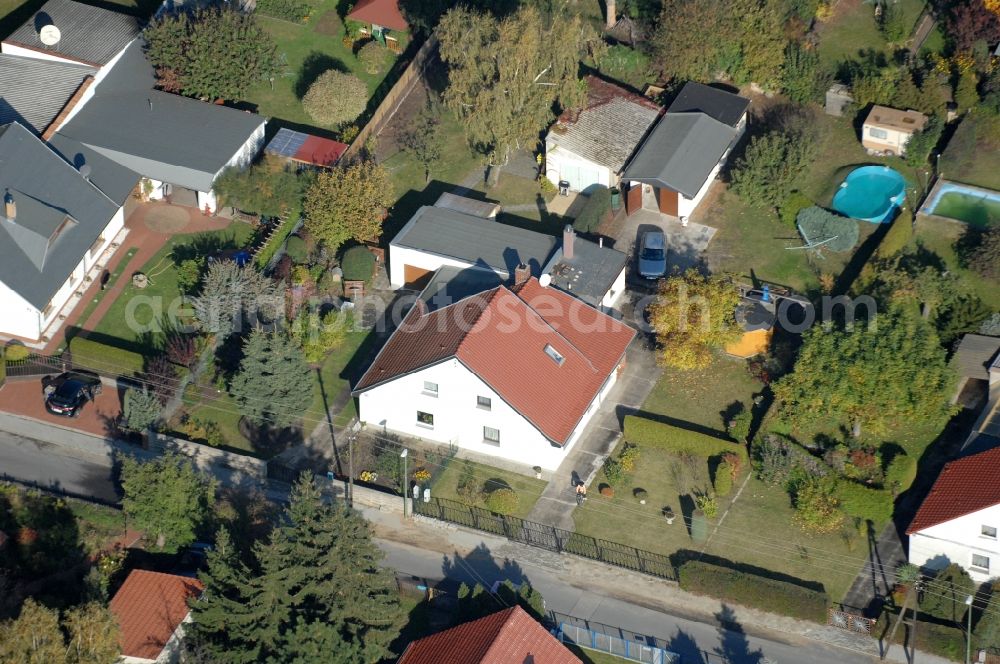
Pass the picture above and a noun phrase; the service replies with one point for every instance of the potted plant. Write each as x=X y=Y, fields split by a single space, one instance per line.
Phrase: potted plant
x=640 y=495
x=538 y=472
x=668 y=514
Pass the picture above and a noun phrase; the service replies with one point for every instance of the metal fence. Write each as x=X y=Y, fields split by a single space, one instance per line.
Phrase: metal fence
x=636 y=651
x=850 y=621
x=548 y=537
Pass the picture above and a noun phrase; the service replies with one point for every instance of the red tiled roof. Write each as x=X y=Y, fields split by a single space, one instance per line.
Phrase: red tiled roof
x=965 y=485
x=510 y=636
x=380 y=12
x=149 y=606
x=501 y=335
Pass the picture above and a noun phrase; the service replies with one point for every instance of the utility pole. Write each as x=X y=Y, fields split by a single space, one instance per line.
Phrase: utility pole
x=350 y=469
x=910 y=594
x=406 y=489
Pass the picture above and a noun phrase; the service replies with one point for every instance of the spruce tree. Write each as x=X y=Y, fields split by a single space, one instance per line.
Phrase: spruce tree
x=273 y=384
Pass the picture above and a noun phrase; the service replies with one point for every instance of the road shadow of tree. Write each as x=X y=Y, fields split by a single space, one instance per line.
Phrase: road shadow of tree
x=685 y=645
x=734 y=645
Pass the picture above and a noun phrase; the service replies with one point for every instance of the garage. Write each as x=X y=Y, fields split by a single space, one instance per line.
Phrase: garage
x=416 y=277
x=579 y=176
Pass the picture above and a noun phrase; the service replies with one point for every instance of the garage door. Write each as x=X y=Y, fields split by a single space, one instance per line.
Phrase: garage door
x=416 y=277
x=579 y=177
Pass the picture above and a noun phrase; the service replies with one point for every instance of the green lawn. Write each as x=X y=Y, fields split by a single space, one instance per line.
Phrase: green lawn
x=97 y=525
x=144 y=327
x=939 y=237
x=214 y=419
x=852 y=30
x=309 y=49
x=528 y=488
x=970 y=156
x=331 y=380
x=594 y=657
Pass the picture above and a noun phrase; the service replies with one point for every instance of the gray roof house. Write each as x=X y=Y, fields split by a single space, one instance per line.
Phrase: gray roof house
x=51 y=217
x=718 y=104
x=591 y=145
x=33 y=91
x=162 y=136
x=436 y=238
x=87 y=34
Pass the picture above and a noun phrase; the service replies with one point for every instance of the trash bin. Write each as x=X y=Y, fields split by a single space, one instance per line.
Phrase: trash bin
x=616 y=198
x=564 y=187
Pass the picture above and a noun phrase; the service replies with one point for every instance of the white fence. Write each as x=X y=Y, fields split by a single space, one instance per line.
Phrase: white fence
x=615 y=645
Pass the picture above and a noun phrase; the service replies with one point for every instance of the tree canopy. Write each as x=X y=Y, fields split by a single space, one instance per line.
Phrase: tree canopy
x=211 y=53
x=273 y=382
x=870 y=376
x=767 y=173
x=336 y=98
x=269 y=187
x=692 y=316
x=234 y=297
x=35 y=637
x=506 y=75
x=166 y=497
x=142 y=407
x=314 y=591
x=348 y=203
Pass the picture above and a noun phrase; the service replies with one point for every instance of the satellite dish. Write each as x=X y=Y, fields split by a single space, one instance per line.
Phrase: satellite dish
x=545 y=280
x=50 y=35
x=85 y=170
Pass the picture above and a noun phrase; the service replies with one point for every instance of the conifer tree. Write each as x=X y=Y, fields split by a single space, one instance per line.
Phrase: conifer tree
x=273 y=384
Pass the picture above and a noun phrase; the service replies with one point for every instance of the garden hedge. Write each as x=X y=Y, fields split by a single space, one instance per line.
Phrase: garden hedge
x=287 y=10
x=901 y=472
x=642 y=431
x=753 y=591
x=90 y=354
x=594 y=211
x=358 y=264
x=864 y=502
x=267 y=252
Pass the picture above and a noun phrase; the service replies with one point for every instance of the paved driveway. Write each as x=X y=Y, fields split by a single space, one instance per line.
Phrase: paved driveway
x=23 y=396
x=686 y=245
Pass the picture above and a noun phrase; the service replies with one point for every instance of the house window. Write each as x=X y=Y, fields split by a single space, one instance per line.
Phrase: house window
x=485 y=403
x=430 y=389
x=491 y=435
x=425 y=419
x=98 y=243
x=554 y=354
x=875 y=132
x=988 y=531
x=981 y=562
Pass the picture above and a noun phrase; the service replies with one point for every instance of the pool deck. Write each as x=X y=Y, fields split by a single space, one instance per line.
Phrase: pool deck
x=942 y=186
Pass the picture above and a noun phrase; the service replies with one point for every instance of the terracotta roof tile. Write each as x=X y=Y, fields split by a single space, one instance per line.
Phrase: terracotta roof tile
x=503 y=338
x=149 y=606
x=510 y=636
x=965 y=485
x=380 y=12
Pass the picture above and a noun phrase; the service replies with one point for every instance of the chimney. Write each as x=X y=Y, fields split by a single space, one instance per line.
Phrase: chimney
x=568 y=237
x=521 y=274
x=9 y=206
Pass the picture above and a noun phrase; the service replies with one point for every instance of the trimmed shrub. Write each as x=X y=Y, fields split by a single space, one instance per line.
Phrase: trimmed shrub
x=288 y=10
x=629 y=457
x=141 y=409
x=898 y=237
x=836 y=232
x=502 y=501
x=644 y=432
x=863 y=502
x=15 y=352
x=723 y=479
x=358 y=264
x=816 y=506
x=753 y=591
x=900 y=473
x=296 y=249
x=951 y=586
x=372 y=57
x=795 y=203
x=90 y=354
x=335 y=98
x=640 y=495
x=707 y=505
x=593 y=212
x=613 y=471
x=606 y=491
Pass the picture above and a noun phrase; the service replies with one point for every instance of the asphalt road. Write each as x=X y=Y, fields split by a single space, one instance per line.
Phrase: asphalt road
x=698 y=642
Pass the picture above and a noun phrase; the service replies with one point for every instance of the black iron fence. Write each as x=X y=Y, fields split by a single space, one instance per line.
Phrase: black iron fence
x=548 y=537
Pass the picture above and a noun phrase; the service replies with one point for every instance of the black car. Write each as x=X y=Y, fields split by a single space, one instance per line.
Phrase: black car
x=67 y=393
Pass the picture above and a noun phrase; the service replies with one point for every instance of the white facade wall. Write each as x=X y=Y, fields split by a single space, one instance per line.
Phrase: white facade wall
x=458 y=419
x=13 y=49
x=956 y=541
x=19 y=317
x=895 y=140
x=558 y=161
x=402 y=256
x=614 y=294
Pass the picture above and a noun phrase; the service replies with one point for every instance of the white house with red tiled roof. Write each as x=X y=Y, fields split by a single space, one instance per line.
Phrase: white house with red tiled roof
x=959 y=520
x=515 y=373
x=151 y=609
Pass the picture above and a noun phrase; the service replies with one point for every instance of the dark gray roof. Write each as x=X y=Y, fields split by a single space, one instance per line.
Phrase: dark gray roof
x=591 y=272
x=451 y=284
x=116 y=181
x=163 y=136
x=475 y=240
x=88 y=34
x=608 y=130
x=681 y=152
x=50 y=195
x=975 y=354
x=33 y=91
x=724 y=106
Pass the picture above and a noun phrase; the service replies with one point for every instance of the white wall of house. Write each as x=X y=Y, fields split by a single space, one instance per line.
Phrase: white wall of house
x=458 y=419
x=14 y=49
x=892 y=140
x=19 y=317
x=399 y=257
x=581 y=173
x=956 y=541
x=614 y=293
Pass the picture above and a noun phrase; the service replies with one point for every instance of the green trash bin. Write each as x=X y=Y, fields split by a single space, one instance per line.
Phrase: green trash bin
x=616 y=198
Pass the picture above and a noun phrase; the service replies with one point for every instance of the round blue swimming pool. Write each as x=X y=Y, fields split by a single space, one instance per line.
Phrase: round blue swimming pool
x=871 y=193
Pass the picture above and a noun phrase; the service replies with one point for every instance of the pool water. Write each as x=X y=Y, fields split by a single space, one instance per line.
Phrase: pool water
x=973 y=209
x=870 y=193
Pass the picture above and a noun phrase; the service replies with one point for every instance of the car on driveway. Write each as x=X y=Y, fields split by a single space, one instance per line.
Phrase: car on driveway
x=652 y=255
x=67 y=393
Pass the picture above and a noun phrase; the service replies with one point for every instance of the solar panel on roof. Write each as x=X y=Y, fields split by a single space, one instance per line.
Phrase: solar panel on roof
x=286 y=143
